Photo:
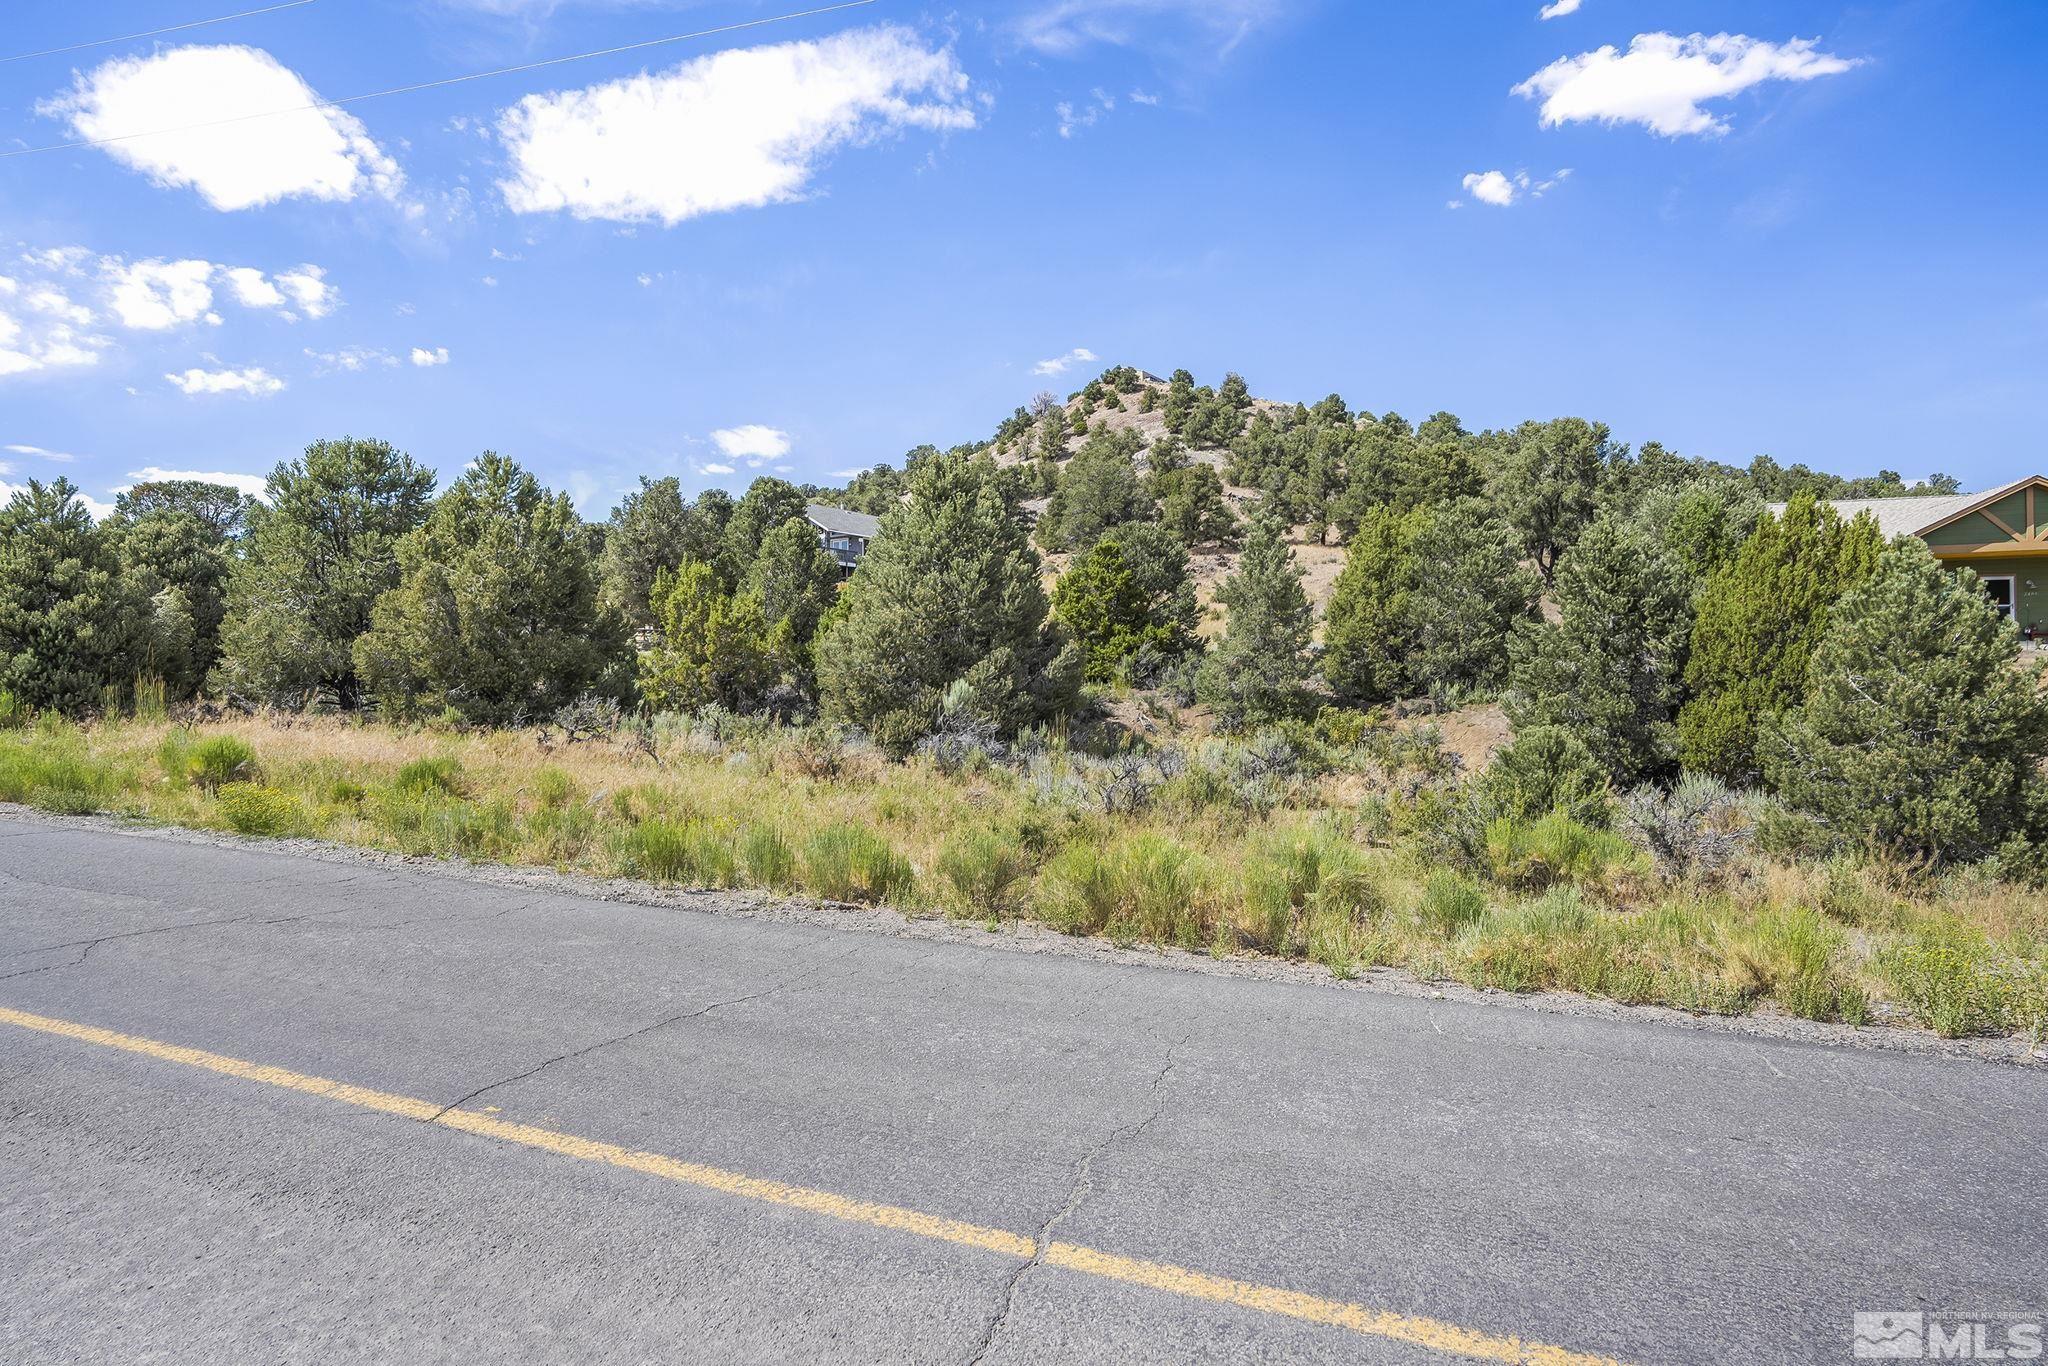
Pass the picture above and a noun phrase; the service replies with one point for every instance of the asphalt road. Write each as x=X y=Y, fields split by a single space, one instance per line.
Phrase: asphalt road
x=1158 y=1166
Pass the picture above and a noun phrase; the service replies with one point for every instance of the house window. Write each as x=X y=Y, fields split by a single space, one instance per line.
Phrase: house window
x=2000 y=590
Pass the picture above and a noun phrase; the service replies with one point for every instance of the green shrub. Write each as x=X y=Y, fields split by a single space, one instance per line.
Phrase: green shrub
x=984 y=870
x=847 y=863
x=14 y=713
x=254 y=809
x=218 y=760
x=437 y=776
x=1545 y=769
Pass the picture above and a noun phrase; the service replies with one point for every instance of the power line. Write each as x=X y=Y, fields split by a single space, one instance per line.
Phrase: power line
x=174 y=28
x=449 y=80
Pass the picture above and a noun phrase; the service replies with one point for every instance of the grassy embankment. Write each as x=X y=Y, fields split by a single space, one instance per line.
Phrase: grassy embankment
x=1323 y=866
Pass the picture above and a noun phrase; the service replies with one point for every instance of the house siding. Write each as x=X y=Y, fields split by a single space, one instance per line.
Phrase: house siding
x=2029 y=575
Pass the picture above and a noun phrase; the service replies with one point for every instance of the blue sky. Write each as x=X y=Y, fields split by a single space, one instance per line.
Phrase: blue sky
x=1813 y=230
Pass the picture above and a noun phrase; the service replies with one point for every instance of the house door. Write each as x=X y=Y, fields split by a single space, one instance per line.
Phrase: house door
x=2000 y=590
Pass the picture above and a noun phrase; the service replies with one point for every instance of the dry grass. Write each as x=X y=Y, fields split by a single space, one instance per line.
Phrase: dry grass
x=1326 y=875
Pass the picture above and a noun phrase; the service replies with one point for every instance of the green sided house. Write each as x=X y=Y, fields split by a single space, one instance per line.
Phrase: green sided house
x=2003 y=535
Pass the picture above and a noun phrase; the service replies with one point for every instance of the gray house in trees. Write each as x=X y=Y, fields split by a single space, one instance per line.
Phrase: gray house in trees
x=845 y=534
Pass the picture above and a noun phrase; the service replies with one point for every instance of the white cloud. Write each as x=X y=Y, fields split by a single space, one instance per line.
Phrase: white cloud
x=422 y=356
x=715 y=469
x=43 y=337
x=237 y=162
x=1059 y=365
x=754 y=443
x=1500 y=189
x=252 y=289
x=352 y=359
x=309 y=289
x=1662 y=80
x=1065 y=27
x=255 y=381
x=1560 y=9
x=154 y=295
x=737 y=129
x=251 y=484
x=38 y=453
x=1140 y=97
x=1071 y=116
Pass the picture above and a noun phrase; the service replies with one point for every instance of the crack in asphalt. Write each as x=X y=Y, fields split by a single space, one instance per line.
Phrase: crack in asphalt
x=86 y=946
x=1077 y=1191
x=632 y=1034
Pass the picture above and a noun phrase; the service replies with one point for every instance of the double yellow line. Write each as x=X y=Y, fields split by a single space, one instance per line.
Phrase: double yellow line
x=1434 y=1334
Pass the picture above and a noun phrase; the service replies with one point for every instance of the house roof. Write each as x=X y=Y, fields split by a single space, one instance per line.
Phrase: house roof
x=841 y=522
x=1912 y=516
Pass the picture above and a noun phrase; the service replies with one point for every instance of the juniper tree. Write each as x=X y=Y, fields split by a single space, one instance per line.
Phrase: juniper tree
x=652 y=529
x=175 y=554
x=794 y=580
x=1758 y=623
x=314 y=563
x=1918 y=732
x=1425 y=604
x=1098 y=489
x=948 y=591
x=1259 y=669
x=1608 y=670
x=1543 y=481
x=1102 y=608
x=68 y=620
x=496 y=610
x=711 y=646
x=1191 y=504
x=769 y=503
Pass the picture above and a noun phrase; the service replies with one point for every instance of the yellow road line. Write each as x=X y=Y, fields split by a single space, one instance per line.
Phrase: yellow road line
x=1434 y=1334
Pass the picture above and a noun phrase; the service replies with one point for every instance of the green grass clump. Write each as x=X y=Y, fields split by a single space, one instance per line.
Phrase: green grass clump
x=14 y=713
x=553 y=789
x=253 y=809
x=688 y=852
x=1797 y=958
x=211 y=763
x=766 y=858
x=437 y=776
x=1553 y=850
x=55 y=774
x=1450 y=903
x=1145 y=887
x=1308 y=885
x=985 y=872
x=848 y=863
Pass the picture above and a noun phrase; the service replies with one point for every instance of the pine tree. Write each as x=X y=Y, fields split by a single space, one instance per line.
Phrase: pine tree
x=1608 y=671
x=948 y=591
x=179 y=562
x=768 y=505
x=1100 y=605
x=1425 y=604
x=495 y=613
x=1544 y=481
x=1098 y=489
x=1258 y=670
x=1918 y=734
x=316 y=561
x=795 y=580
x=712 y=646
x=1759 y=620
x=654 y=529
x=68 y=621
x=1369 y=630
x=1179 y=402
